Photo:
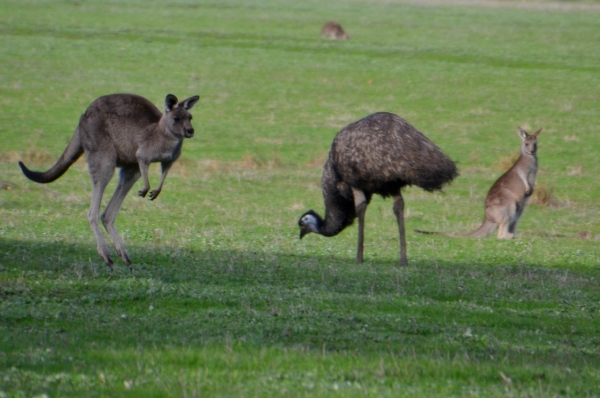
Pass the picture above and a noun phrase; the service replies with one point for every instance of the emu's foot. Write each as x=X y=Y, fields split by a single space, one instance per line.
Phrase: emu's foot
x=105 y=254
x=129 y=265
x=123 y=254
x=125 y=257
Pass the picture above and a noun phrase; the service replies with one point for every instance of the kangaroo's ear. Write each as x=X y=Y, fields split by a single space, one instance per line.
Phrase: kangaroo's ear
x=189 y=103
x=537 y=132
x=170 y=102
x=522 y=133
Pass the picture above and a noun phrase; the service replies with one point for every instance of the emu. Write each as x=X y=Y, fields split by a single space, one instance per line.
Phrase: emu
x=379 y=154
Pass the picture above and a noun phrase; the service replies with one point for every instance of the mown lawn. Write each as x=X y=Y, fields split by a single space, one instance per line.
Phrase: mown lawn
x=225 y=300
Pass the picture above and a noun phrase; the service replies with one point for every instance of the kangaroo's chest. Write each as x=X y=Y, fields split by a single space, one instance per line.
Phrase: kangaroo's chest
x=529 y=177
x=161 y=151
x=166 y=153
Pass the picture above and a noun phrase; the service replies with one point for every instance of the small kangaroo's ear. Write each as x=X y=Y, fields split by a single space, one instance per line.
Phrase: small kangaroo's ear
x=170 y=102
x=189 y=103
x=537 y=132
x=522 y=133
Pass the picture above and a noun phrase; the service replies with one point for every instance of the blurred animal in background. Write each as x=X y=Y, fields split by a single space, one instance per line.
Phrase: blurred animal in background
x=508 y=196
x=333 y=31
x=126 y=131
x=379 y=154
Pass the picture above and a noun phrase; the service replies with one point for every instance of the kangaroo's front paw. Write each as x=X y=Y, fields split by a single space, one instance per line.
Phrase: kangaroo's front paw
x=154 y=194
x=143 y=192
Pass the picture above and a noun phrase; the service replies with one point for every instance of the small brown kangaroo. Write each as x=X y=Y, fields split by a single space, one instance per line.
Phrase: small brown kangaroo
x=506 y=199
x=334 y=31
x=126 y=131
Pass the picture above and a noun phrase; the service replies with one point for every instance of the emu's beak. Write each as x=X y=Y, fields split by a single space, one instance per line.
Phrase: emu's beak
x=303 y=231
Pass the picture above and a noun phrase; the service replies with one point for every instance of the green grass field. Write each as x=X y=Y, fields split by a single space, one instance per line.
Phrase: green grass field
x=225 y=299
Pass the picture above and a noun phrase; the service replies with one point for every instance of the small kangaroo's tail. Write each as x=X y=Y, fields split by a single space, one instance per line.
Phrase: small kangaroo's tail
x=484 y=230
x=73 y=151
x=430 y=232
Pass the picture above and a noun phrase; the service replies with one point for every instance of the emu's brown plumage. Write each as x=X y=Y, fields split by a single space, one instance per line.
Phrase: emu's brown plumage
x=379 y=154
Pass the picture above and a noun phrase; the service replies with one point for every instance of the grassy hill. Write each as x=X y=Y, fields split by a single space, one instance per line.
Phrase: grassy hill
x=225 y=300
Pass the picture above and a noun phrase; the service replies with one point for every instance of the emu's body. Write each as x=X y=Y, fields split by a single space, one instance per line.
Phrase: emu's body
x=379 y=154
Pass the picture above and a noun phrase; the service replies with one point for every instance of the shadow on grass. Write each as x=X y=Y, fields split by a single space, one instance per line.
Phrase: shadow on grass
x=62 y=294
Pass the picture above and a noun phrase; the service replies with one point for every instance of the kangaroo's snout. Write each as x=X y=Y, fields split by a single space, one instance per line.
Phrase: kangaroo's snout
x=189 y=133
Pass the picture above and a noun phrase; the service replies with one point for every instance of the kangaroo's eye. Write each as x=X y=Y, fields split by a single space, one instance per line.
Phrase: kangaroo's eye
x=176 y=119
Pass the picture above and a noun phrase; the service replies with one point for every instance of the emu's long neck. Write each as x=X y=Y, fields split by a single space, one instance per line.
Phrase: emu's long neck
x=339 y=210
x=337 y=217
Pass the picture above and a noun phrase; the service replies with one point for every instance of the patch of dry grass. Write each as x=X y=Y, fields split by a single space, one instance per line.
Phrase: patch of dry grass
x=575 y=170
x=318 y=161
x=520 y=4
x=507 y=162
x=32 y=155
x=543 y=195
x=571 y=138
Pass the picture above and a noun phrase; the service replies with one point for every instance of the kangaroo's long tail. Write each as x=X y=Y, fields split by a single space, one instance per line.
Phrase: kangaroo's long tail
x=486 y=228
x=73 y=152
x=430 y=232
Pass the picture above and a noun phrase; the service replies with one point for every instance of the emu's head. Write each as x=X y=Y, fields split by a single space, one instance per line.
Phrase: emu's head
x=309 y=222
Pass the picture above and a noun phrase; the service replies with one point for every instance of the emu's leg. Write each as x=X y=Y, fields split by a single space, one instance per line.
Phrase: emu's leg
x=399 y=212
x=127 y=177
x=101 y=172
x=360 y=204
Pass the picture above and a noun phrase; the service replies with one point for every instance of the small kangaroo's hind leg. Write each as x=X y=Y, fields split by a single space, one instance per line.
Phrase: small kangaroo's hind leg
x=507 y=222
x=399 y=212
x=127 y=177
x=512 y=228
x=101 y=173
x=503 y=231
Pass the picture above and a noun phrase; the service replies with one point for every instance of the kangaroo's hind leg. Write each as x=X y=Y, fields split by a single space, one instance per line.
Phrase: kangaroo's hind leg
x=127 y=177
x=512 y=228
x=101 y=173
x=508 y=223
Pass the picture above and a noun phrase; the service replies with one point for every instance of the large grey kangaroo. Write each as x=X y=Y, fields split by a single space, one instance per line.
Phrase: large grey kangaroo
x=126 y=131
x=506 y=199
